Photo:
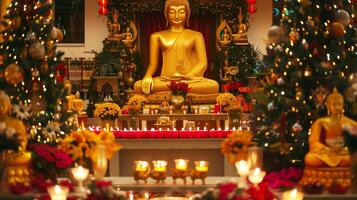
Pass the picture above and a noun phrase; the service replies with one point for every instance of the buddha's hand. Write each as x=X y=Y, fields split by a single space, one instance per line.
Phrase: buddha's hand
x=179 y=76
x=147 y=84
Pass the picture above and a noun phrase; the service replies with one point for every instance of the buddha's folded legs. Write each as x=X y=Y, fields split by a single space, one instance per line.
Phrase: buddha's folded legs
x=204 y=86
x=311 y=159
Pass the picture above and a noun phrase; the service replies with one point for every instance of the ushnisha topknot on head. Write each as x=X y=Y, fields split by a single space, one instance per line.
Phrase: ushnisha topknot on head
x=178 y=3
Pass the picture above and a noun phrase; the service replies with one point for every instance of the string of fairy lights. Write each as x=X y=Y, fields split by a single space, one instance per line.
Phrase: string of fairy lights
x=309 y=52
x=29 y=76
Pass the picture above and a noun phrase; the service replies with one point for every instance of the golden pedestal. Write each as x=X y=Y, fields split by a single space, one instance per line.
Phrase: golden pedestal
x=326 y=176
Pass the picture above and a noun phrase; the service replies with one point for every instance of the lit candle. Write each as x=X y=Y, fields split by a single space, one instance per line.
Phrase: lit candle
x=57 y=192
x=242 y=167
x=141 y=166
x=159 y=165
x=184 y=112
x=181 y=164
x=201 y=166
x=243 y=171
x=292 y=195
x=256 y=176
x=80 y=174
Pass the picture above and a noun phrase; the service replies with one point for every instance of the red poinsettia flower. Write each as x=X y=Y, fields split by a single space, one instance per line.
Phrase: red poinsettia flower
x=60 y=72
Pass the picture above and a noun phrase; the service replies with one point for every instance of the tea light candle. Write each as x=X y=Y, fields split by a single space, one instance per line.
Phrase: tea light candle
x=80 y=174
x=243 y=170
x=181 y=164
x=57 y=192
x=159 y=165
x=201 y=166
x=242 y=167
x=256 y=176
x=292 y=195
x=141 y=166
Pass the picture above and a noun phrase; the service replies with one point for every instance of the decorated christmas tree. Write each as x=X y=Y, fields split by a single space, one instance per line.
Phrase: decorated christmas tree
x=31 y=73
x=309 y=53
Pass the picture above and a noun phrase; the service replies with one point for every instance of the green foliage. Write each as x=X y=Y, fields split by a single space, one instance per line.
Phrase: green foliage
x=34 y=26
x=291 y=90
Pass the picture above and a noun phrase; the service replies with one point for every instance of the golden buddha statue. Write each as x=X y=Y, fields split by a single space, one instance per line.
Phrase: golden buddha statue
x=184 y=55
x=113 y=24
x=70 y=97
x=326 y=139
x=78 y=105
x=241 y=35
x=18 y=163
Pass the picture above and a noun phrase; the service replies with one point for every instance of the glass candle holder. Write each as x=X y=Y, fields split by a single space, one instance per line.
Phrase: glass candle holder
x=256 y=176
x=101 y=163
x=201 y=166
x=181 y=164
x=141 y=170
x=159 y=170
x=293 y=194
x=243 y=168
x=58 y=192
x=180 y=170
x=200 y=171
x=80 y=174
x=159 y=165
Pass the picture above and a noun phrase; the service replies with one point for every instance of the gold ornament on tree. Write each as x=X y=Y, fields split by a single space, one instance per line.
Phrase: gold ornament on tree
x=275 y=34
x=294 y=35
x=336 y=29
x=13 y=74
x=44 y=67
x=37 y=50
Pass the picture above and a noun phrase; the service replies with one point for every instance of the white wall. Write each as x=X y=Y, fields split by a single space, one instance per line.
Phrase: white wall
x=260 y=23
x=96 y=31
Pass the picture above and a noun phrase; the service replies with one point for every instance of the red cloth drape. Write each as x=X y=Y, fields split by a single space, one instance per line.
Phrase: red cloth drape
x=153 y=22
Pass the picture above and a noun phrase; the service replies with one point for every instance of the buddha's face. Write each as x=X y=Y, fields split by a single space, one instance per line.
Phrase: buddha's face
x=335 y=106
x=4 y=108
x=176 y=15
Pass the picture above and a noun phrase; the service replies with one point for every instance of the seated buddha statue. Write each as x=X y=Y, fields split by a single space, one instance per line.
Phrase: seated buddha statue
x=241 y=35
x=183 y=52
x=19 y=163
x=326 y=136
x=70 y=97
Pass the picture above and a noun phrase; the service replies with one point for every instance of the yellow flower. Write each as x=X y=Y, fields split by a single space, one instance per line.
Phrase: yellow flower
x=137 y=100
x=107 y=110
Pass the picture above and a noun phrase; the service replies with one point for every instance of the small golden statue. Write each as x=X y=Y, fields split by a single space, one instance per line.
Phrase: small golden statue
x=184 y=55
x=113 y=24
x=18 y=163
x=241 y=36
x=70 y=97
x=78 y=105
x=327 y=152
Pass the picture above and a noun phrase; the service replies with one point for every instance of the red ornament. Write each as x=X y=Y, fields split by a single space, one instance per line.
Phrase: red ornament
x=103 y=10
x=251 y=2
x=252 y=9
x=103 y=3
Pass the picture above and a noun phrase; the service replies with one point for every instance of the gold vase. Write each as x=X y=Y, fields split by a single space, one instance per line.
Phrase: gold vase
x=101 y=163
x=177 y=101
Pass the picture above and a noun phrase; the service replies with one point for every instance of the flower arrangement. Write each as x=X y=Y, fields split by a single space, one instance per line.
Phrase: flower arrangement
x=82 y=145
x=225 y=99
x=49 y=160
x=235 y=146
x=137 y=100
x=179 y=88
x=107 y=110
x=8 y=138
x=230 y=191
x=285 y=178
